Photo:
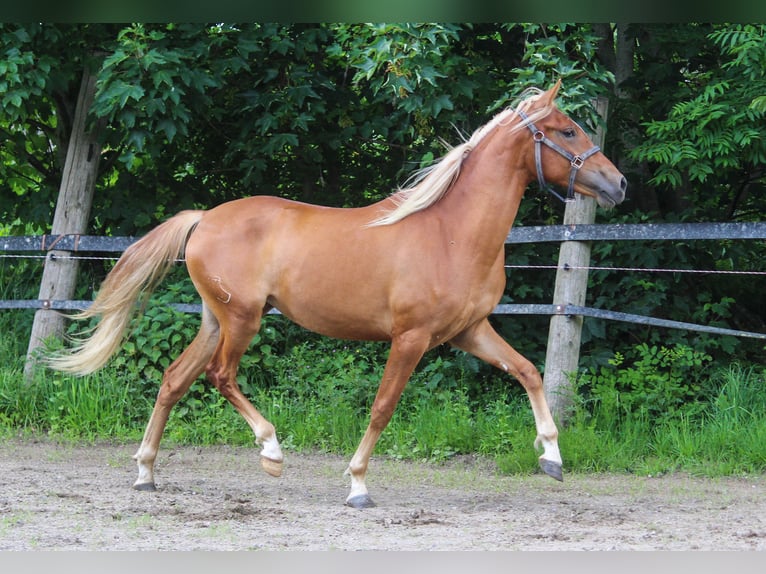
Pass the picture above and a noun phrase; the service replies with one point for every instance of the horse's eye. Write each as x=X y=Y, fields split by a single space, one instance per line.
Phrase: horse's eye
x=569 y=133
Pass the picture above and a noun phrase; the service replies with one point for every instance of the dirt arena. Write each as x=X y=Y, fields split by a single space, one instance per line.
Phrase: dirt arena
x=64 y=497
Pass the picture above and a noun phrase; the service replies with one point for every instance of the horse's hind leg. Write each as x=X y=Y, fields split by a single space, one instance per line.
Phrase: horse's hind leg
x=175 y=382
x=482 y=341
x=236 y=334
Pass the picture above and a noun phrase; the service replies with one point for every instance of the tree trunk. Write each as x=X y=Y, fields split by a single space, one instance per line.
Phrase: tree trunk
x=73 y=206
x=624 y=54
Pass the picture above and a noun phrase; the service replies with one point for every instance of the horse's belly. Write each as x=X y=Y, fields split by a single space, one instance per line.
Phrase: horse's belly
x=339 y=323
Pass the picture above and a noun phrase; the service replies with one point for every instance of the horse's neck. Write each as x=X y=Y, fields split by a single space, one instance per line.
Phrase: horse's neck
x=484 y=200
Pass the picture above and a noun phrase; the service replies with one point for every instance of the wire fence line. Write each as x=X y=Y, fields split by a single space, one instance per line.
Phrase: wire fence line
x=518 y=234
x=565 y=267
x=636 y=269
x=71 y=246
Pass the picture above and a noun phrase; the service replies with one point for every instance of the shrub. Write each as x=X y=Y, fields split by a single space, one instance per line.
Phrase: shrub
x=649 y=380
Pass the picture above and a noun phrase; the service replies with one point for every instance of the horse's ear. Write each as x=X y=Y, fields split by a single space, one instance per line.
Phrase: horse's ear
x=546 y=99
x=555 y=89
x=550 y=95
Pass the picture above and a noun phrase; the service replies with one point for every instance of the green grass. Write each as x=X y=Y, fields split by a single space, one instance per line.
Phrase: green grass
x=88 y=408
x=723 y=437
x=318 y=396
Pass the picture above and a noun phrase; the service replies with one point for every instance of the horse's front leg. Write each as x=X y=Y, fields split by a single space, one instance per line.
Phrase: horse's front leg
x=406 y=351
x=482 y=341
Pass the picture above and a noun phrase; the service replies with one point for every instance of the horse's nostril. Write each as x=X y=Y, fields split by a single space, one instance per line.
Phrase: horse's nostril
x=623 y=184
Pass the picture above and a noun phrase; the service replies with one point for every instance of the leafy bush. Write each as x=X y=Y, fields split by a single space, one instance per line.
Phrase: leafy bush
x=653 y=381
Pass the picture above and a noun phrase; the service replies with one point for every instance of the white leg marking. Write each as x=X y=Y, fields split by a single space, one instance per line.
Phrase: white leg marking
x=271 y=449
x=548 y=441
x=145 y=468
x=358 y=487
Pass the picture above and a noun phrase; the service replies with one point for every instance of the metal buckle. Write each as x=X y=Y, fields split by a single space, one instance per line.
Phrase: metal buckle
x=538 y=136
x=577 y=162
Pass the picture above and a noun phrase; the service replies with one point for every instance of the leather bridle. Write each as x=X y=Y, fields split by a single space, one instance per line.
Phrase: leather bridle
x=576 y=161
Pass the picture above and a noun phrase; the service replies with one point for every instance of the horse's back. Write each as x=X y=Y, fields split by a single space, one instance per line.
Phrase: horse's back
x=322 y=267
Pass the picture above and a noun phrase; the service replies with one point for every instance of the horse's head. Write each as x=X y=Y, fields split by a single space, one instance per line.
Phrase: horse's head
x=565 y=156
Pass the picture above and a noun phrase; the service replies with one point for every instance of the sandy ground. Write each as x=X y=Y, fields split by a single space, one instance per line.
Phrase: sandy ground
x=64 y=497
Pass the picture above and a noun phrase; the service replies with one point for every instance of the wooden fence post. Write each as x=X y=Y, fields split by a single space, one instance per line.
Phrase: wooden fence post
x=563 y=352
x=73 y=205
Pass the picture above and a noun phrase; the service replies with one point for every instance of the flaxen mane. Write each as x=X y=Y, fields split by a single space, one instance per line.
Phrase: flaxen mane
x=429 y=184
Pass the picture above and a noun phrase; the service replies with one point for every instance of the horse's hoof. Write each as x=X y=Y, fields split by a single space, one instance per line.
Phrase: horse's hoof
x=361 y=501
x=552 y=469
x=145 y=487
x=272 y=467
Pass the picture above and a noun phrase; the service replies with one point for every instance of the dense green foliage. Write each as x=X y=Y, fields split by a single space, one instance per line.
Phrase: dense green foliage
x=192 y=115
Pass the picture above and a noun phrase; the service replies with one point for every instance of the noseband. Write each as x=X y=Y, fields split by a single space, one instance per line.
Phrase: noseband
x=576 y=161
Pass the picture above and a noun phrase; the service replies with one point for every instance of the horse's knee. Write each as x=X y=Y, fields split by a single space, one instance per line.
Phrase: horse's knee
x=529 y=377
x=381 y=414
x=219 y=380
x=170 y=392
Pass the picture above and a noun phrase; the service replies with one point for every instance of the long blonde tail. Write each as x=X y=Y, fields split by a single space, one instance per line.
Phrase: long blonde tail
x=138 y=272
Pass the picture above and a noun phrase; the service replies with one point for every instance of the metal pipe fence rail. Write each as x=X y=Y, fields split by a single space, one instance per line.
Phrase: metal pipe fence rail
x=85 y=246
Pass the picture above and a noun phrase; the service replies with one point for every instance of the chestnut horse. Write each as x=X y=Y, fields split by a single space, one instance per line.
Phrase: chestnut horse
x=420 y=268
